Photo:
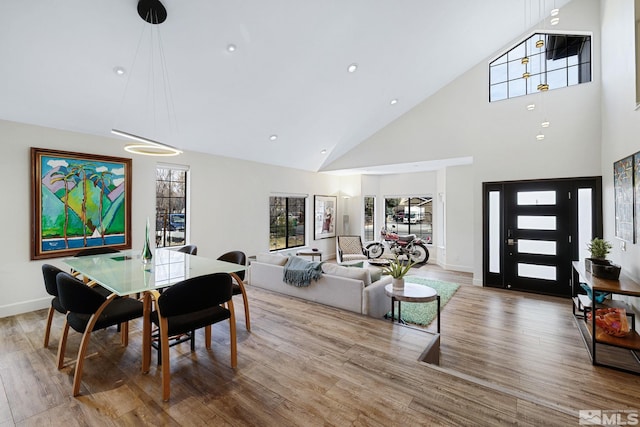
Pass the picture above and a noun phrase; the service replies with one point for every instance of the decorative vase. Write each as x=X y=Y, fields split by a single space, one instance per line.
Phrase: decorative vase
x=398 y=283
x=146 y=249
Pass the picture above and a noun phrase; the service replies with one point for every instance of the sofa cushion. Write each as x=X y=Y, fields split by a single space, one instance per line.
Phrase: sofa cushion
x=275 y=259
x=349 y=272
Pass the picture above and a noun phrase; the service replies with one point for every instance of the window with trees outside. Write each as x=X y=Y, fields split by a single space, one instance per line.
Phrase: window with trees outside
x=171 y=206
x=369 y=215
x=286 y=222
x=540 y=63
x=410 y=215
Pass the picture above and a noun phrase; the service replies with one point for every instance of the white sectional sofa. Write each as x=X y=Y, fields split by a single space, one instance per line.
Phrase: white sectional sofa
x=348 y=288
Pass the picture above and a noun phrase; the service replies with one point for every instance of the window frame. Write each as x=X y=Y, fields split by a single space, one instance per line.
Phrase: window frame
x=295 y=210
x=541 y=68
x=178 y=204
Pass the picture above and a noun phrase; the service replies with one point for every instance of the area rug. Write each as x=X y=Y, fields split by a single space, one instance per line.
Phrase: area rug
x=420 y=313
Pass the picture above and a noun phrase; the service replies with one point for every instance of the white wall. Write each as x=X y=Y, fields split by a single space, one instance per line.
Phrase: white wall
x=459 y=222
x=459 y=121
x=229 y=204
x=620 y=119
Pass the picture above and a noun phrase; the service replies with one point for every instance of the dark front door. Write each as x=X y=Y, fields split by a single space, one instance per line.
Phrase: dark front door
x=540 y=227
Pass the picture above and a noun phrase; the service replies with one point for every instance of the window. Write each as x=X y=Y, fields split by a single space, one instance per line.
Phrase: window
x=542 y=62
x=369 y=215
x=286 y=222
x=171 y=206
x=412 y=215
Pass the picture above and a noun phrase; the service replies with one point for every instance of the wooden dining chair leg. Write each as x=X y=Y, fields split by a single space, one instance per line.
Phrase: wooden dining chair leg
x=207 y=337
x=245 y=301
x=77 y=377
x=232 y=334
x=166 y=370
x=62 y=345
x=124 y=333
x=47 y=331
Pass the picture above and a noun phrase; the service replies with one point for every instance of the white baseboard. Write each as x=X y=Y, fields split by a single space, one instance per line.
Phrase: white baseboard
x=24 y=307
x=452 y=267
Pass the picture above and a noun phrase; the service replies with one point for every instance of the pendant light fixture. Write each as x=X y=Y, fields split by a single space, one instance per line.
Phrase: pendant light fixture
x=154 y=13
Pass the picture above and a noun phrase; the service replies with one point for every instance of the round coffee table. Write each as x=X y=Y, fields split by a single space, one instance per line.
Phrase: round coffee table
x=379 y=262
x=411 y=293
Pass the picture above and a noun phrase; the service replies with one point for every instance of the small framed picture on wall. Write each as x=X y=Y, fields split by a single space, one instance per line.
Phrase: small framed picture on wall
x=324 y=219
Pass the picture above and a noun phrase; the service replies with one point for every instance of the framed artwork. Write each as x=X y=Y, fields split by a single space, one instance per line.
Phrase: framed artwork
x=324 y=220
x=78 y=201
x=623 y=191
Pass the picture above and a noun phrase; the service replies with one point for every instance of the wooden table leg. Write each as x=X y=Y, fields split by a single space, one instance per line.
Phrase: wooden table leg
x=146 y=332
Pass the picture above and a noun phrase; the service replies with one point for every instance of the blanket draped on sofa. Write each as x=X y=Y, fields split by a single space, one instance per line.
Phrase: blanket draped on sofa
x=299 y=272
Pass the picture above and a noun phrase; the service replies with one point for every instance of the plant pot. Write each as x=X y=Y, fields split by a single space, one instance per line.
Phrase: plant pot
x=588 y=263
x=610 y=271
x=398 y=284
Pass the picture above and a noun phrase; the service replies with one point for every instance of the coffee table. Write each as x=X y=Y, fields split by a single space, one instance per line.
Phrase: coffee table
x=379 y=262
x=411 y=293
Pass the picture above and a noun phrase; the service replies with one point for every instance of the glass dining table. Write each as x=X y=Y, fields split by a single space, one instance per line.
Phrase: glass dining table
x=125 y=274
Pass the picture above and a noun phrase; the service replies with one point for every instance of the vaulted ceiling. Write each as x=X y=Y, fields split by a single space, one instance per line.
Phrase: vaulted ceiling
x=287 y=77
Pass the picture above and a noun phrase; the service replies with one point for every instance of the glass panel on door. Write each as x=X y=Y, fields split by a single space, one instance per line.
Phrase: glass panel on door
x=536 y=198
x=533 y=271
x=533 y=222
x=537 y=247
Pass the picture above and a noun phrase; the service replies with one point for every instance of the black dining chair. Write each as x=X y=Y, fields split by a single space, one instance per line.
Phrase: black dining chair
x=49 y=273
x=189 y=249
x=190 y=305
x=87 y=311
x=239 y=257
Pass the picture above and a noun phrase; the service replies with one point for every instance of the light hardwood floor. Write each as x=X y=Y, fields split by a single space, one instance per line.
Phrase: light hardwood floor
x=506 y=358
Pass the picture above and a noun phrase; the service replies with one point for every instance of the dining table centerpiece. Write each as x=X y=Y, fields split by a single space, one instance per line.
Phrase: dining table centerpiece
x=146 y=254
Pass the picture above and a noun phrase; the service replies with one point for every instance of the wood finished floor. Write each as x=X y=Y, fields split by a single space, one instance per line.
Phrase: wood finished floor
x=506 y=358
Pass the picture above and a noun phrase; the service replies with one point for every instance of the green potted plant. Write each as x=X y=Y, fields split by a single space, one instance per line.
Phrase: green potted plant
x=397 y=269
x=598 y=264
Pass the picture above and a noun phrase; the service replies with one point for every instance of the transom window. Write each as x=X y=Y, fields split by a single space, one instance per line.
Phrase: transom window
x=541 y=62
x=286 y=222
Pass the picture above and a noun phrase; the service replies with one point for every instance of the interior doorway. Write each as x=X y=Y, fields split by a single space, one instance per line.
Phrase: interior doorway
x=533 y=230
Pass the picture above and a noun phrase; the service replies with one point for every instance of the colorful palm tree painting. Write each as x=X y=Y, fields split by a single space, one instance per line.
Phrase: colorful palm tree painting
x=82 y=201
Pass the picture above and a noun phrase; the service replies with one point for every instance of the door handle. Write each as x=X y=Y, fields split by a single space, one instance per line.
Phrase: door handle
x=512 y=242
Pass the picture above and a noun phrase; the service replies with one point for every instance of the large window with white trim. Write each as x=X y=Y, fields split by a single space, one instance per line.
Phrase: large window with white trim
x=542 y=62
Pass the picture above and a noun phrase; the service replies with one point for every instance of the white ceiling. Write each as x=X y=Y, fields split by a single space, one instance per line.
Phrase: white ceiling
x=288 y=76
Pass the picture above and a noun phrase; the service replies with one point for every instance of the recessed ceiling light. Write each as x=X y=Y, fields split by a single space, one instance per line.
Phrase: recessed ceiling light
x=555 y=12
x=394 y=101
x=273 y=137
x=554 y=21
x=231 y=48
x=540 y=136
x=531 y=107
x=545 y=124
x=352 y=68
x=323 y=151
x=120 y=71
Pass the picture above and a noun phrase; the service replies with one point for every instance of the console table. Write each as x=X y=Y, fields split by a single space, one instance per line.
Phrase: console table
x=620 y=353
